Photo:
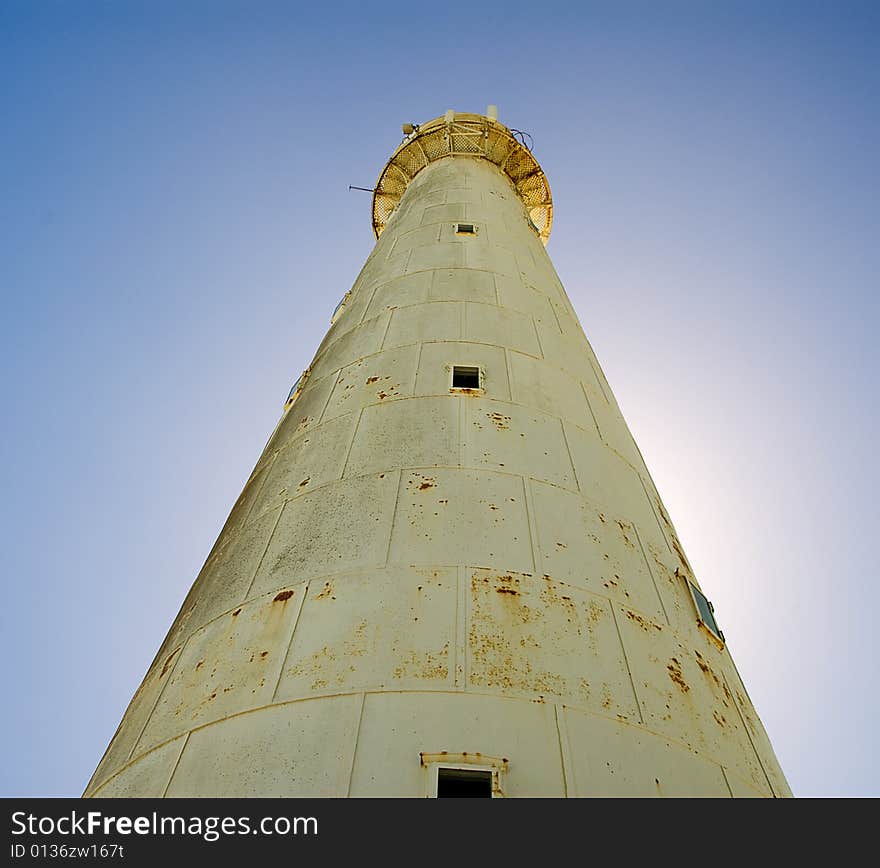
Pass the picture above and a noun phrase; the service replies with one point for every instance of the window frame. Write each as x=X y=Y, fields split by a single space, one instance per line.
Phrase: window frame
x=337 y=311
x=470 y=389
x=296 y=389
x=476 y=762
x=712 y=629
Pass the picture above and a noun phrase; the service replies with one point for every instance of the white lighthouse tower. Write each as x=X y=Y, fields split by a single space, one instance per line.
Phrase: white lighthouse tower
x=449 y=573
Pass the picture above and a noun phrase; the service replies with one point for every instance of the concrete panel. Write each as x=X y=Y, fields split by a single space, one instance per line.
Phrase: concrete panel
x=406 y=434
x=308 y=462
x=465 y=195
x=363 y=340
x=683 y=696
x=395 y=266
x=740 y=789
x=402 y=291
x=243 y=506
x=340 y=327
x=461 y=516
x=443 y=174
x=605 y=478
x=444 y=213
x=147 y=777
x=388 y=629
x=376 y=268
x=382 y=377
x=534 y=271
x=516 y=223
x=496 y=259
x=462 y=284
x=354 y=309
x=438 y=255
x=567 y=352
x=136 y=715
x=489 y=218
x=228 y=575
x=342 y=526
x=419 y=237
x=403 y=220
x=490 y=324
x=583 y=544
x=616 y=433
x=437 y=321
x=417 y=204
x=757 y=733
x=397 y=727
x=613 y=761
x=537 y=384
x=568 y=322
x=298 y=750
x=229 y=665
x=515 y=439
x=304 y=414
x=672 y=540
x=537 y=638
x=670 y=581
x=437 y=360
x=514 y=294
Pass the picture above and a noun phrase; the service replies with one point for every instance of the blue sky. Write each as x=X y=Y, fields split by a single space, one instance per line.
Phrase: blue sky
x=176 y=227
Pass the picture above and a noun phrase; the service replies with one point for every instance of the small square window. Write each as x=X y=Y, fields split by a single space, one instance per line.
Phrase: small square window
x=464 y=783
x=465 y=377
x=463 y=775
x=465 y=229
x=705 y=611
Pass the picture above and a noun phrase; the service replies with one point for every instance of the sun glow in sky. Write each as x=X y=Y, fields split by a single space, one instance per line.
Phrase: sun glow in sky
x=176 y=229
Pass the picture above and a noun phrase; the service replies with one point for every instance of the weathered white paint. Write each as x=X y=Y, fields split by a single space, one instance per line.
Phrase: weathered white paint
x=416 y=569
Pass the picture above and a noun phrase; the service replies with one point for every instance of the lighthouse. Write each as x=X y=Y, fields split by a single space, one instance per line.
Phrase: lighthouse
x=449 y=573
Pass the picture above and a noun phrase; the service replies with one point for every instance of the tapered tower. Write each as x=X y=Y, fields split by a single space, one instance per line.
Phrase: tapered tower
x=449 y=572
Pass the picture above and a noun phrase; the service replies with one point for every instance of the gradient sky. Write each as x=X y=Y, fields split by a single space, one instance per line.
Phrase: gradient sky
x=176 y=228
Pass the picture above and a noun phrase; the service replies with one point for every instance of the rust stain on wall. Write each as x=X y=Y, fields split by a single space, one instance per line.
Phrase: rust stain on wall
x=170 y=657
x=674 y=670
x=424 y=664
x=644 y=623
x=500 y=421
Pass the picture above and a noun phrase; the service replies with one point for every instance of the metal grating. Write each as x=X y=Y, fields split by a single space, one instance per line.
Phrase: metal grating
x=520 y=164
x=436 y=145
x=465 y=135
x=498 y=147
x=411 y=161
